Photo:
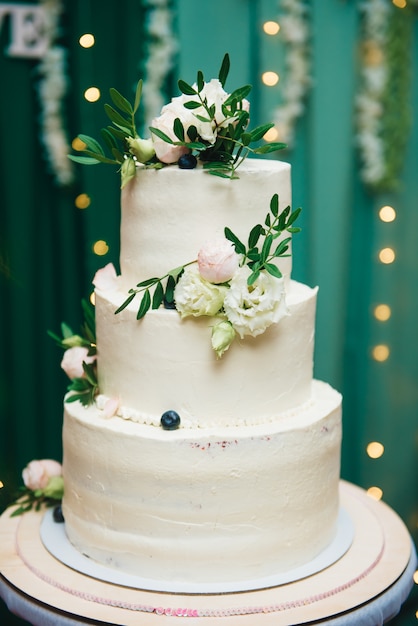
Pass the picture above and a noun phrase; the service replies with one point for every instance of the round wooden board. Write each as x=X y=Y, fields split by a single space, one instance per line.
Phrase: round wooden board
x=378 y=556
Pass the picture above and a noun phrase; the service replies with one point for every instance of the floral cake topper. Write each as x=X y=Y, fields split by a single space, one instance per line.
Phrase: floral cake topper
x=204 y=124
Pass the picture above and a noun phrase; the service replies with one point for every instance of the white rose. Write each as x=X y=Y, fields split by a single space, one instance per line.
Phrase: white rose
x=252 y=309
x=72 y=361
x=216 y=95
x=194 y=295
x=105 y=278
x=37 y=474
x=166 y=152
x=217 y=260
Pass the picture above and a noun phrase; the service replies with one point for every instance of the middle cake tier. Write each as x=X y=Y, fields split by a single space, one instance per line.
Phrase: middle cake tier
x=163 y=362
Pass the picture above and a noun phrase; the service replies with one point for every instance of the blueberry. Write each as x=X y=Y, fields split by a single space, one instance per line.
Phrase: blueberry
x=57 y=515
x=170 y=420
x=187 y=162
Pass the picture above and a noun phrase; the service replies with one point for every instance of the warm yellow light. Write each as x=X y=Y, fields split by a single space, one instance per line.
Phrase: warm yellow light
x=270 y=78
x=82 y=201
x=382 y=312
x=387 y=255
x=87 y=40
x=92 y=94
x=387 y=214
x=271 y=28
x=271 y=135
x=375 y=492
x=100 y=248
x=375 y=449
x=401 y=4
x=77 y=144
x=1 y=484
x=381 y=352
x=415 y=577
x=93 y=298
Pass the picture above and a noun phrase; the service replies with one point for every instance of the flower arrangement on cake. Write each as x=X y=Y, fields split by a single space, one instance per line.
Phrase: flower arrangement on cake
x=205 y=123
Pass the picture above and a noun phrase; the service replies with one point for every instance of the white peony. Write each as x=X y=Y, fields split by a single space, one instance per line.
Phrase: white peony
x=167 y=152
x=194 y=295
x=217 y=260
x=252 y=309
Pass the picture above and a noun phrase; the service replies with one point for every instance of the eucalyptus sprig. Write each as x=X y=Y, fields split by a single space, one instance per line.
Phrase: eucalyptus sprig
x=260 y=257
x=163 y=292
x=233 y=141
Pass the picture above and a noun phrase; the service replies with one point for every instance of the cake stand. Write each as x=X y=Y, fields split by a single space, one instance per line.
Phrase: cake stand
x=366 y=586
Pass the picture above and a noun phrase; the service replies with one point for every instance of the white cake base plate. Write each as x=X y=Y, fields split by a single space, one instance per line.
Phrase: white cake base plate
x=55 y=540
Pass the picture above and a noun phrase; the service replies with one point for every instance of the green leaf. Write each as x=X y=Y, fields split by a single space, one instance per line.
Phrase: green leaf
x=224 y=70
x=161 y=135
x=238 y=95
x=254 y=235
x=239 y=246
x=169 y=290
x=246 y=139
x=270 y=147
x=99 y=157
x=282 y=247
x=158 y=296
x=187 y=89
x=145 y=305
x=265 y=251
x=273 y=270
x=83 y=160
x=175 y=273
x=109 y=138
x=120 y=101
x=126 y=303
x=91 y=144
x=274 y=205
x=259 y=132
x=148 y=282
x=138 y=95
x=192 y=133
x=117 y=118
x=294 y=216
x=192 y=104
x=253 y=277
x=178 y=129
x=200 y=81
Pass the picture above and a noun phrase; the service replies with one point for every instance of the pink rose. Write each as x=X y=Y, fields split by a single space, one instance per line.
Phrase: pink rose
x=72 y=361
x=37 y=474
x=217 y=261
x=105 y=278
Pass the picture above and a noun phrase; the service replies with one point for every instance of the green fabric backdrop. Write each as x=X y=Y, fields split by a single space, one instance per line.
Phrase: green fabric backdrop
x=46 y=257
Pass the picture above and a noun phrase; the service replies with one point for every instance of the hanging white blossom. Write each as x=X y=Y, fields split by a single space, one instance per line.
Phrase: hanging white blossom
x=52 y=89
x=160 y=58
x=374 y=76
x=294 y=30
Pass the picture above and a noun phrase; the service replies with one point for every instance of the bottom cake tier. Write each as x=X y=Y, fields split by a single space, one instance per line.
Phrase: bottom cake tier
x=203 y=505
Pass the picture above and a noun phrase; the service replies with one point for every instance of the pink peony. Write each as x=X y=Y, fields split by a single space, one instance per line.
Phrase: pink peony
x=37 y=474
x=217 y=261
x=167 y=152
x=72 y=361
x=105 y=278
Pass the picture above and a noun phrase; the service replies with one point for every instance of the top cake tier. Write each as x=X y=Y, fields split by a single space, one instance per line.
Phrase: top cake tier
x=168 y=214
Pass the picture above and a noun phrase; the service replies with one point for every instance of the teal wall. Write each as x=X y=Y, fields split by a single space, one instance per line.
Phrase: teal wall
x=46 y=258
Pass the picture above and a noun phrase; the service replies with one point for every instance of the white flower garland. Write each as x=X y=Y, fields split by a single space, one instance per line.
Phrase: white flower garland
x=294 y=31
x=52 y=88
x=160 y=58
x=374 y=76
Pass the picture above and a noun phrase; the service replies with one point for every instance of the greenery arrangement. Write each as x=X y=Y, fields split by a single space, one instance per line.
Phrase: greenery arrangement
x=83 y=346
x=205 y=123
